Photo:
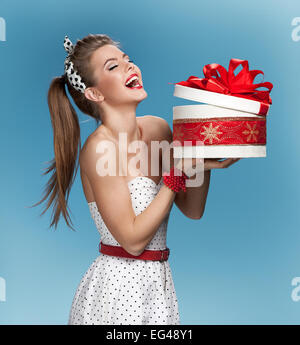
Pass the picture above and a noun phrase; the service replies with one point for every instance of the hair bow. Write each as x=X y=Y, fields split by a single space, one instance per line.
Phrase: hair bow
x=73 y=76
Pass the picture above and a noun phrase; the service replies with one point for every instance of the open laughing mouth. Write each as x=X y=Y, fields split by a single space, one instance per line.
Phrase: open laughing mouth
x=133 y=82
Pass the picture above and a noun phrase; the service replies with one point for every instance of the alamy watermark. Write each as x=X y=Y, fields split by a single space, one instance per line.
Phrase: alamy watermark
x=2 y=290
x=110 y=152
x=295 y=295
x=2 y=29
x=296 y=31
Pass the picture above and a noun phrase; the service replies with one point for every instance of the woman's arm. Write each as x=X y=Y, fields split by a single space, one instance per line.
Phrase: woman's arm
x=147 y=223
x=192 y=202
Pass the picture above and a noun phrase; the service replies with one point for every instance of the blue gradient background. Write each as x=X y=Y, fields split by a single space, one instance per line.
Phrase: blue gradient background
x=233 y=266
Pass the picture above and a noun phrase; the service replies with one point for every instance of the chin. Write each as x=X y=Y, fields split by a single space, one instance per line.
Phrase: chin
x=142 y=96
x=146 y=94
x=138 y=95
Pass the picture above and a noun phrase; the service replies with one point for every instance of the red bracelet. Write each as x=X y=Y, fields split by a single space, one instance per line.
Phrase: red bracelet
x=175 y=182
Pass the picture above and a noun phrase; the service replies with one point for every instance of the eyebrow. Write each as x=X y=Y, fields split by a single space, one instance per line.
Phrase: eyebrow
x=114 y=59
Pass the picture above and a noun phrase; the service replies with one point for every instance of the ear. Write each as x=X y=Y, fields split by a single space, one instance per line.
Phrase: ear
x=93 y=94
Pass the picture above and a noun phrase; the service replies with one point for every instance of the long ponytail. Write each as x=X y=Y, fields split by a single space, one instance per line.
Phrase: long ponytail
x=66 y=128
x=67 y=144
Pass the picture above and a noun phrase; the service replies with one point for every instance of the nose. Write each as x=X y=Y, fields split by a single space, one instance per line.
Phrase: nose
x=129 y=65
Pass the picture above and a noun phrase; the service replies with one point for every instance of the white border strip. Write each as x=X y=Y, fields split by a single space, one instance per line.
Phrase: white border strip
x=218 y=99
x=208 y=111
x=220 y=151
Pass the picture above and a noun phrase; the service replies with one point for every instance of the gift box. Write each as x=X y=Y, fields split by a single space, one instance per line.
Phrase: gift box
x=233 y=122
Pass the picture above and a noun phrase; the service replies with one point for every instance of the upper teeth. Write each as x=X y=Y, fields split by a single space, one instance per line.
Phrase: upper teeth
x=131 y=79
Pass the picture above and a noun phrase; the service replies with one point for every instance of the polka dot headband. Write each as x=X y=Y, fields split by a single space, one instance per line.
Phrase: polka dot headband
x=73 y=76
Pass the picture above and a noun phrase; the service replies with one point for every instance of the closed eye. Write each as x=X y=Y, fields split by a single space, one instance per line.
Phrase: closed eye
x=111 y=68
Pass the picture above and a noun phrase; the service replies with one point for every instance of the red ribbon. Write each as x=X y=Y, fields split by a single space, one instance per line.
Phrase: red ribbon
x=216 y=131
x=240 y=85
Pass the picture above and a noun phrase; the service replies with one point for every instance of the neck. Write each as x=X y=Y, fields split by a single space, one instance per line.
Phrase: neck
x=124 y=122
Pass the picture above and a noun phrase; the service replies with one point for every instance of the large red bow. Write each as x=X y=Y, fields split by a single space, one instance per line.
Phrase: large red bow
x=240 y=85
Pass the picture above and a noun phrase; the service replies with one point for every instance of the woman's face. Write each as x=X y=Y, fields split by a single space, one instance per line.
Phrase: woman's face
x=112 y=68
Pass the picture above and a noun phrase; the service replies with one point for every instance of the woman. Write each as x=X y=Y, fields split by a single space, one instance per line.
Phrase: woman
x=131 y=211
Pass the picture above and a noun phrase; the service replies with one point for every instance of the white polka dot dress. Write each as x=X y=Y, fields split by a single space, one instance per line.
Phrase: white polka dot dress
x=124 y=291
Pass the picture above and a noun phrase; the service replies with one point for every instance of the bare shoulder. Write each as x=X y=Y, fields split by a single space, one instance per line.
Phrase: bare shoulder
x=90 y=149
x=159 y=127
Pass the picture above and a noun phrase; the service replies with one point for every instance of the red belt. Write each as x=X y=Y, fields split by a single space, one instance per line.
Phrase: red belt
x=147 y=254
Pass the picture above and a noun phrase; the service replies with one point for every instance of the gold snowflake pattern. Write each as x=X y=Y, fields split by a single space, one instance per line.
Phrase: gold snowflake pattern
x=211 y=133
x=178 y=133
x=251 y=133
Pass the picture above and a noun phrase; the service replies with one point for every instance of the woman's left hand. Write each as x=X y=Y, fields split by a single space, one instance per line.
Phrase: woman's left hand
x=215 y=163
x=192 y=166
